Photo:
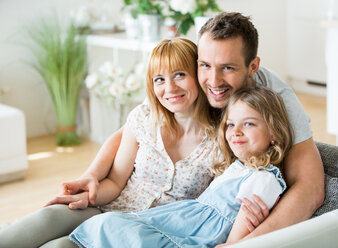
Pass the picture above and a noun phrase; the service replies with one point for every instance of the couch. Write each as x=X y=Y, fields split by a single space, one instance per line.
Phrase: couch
x=319 y=231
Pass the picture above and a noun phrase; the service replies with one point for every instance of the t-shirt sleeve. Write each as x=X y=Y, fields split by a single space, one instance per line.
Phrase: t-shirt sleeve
x=299 y=119
x=263 y=184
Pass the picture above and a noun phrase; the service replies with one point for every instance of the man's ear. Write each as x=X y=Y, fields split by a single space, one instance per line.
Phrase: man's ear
x=253 y=66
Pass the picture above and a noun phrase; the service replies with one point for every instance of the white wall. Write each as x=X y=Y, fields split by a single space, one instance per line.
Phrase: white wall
x=269 y=18
x=27 y=90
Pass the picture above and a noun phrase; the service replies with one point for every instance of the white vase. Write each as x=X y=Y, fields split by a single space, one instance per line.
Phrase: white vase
x=150 y=27
x=199 y=22
x=106 y=118
x=132 y=26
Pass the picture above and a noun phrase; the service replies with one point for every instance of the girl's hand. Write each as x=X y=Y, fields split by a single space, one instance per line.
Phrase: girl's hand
x=89 y=184
x=255 y=215
x=78 y=201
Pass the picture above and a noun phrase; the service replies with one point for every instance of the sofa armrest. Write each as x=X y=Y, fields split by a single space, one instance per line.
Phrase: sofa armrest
x=320 y=231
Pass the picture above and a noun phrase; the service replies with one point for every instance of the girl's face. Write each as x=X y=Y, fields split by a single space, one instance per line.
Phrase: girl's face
x=247 y=133
x=176 y=91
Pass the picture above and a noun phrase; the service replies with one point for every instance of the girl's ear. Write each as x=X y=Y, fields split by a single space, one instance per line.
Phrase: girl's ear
x=272 y=138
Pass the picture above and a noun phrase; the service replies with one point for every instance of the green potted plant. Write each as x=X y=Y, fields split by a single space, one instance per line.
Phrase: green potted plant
x=149 y=17
x=60 y=58
x=184 y=12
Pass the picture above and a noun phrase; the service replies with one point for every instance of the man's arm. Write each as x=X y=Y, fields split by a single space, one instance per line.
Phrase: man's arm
x=98 y=169
x=304 y=175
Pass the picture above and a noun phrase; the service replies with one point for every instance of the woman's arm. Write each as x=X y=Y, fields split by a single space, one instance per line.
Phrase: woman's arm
x=98 y=169
x=111 y=187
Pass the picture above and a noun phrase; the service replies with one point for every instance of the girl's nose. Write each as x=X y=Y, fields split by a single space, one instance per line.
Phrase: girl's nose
x=237 y=131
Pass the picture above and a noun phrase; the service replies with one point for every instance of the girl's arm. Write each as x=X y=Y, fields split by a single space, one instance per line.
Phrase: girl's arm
x=239 y=229
x=111 y=187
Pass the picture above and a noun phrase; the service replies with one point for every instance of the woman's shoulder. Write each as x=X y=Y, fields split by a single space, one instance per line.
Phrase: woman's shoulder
x=140 y=122
x=139 y=114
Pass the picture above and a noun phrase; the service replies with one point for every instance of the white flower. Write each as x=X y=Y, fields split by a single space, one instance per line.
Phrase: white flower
x=186 y=6
x=141 y=70
x=116 y=90
x=132 y=83
x=81 y=17
x=109 y=70
x=91 y=80
x=165 y=7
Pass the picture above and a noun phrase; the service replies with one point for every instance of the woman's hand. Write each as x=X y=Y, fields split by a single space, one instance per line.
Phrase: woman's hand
x=255 y=214
x=78 y=201
x=86 y=183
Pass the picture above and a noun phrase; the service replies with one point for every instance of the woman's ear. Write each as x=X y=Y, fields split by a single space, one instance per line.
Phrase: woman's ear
x=254 y=66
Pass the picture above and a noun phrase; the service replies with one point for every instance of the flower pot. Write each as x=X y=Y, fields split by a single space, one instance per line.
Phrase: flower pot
x=150 y=27
x=132 y=26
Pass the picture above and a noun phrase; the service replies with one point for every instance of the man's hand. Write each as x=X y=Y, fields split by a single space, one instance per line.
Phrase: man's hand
x=255 y=214
x=88 y=184
x=78 y=201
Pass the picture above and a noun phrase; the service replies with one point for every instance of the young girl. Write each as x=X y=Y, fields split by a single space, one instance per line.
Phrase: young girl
x=258 y=136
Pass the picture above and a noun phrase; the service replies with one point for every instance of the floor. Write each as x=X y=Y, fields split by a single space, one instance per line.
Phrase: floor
x=50 y=165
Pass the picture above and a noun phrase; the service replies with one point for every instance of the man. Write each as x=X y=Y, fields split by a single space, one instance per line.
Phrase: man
x=227 y=61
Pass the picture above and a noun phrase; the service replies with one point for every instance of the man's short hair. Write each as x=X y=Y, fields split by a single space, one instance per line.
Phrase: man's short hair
x=232 y=25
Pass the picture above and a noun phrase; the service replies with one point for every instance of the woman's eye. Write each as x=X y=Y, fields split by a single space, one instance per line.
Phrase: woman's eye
x=158 y=80
x=179 y=75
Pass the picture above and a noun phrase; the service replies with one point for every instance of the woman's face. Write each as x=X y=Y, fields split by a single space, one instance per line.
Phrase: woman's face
x=247 y=132
x=176 y=91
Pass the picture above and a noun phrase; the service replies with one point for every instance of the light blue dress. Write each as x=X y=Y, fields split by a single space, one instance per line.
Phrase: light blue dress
x=204 y=222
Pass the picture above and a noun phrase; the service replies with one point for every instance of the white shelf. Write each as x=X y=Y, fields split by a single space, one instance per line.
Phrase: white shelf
x=119 y=41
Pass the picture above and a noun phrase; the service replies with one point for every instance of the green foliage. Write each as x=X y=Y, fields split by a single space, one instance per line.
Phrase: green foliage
x=61 y=60
x=186 y=21
x=148 y=7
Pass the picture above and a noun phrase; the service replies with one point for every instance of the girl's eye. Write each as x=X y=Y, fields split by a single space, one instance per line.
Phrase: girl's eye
x=230 y=125
x=249 y=124
x=158 y=80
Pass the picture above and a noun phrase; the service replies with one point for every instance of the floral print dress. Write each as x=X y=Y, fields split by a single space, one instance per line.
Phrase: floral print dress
x=156 y=180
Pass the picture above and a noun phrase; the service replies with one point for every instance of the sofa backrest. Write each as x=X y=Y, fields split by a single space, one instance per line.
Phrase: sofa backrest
x=329 y=155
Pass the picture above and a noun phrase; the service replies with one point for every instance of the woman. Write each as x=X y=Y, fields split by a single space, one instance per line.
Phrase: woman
x=167 y=158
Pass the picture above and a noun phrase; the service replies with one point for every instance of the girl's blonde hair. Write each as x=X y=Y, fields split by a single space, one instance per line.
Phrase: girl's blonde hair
x=271 y=106
x=176 y=54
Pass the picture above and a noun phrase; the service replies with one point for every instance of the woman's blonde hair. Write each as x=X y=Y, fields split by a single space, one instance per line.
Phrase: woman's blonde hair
x=176 y=54
x=271 y=106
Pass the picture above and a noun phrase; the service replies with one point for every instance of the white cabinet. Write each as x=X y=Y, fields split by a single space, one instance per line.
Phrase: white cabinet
x=106 y=118
x=306 y=42
x=332 y=76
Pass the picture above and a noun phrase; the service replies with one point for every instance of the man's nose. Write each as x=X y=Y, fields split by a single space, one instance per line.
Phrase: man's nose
x=215 y=78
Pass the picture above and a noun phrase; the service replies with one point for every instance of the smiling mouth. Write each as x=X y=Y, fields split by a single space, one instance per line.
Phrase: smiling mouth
x=238 y=142
x=218 y=93
x=174 y=98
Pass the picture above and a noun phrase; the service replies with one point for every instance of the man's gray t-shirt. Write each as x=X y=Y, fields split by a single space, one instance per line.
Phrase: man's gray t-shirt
x=300 y=121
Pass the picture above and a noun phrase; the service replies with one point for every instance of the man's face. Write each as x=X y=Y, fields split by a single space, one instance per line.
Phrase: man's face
x=222 y=69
